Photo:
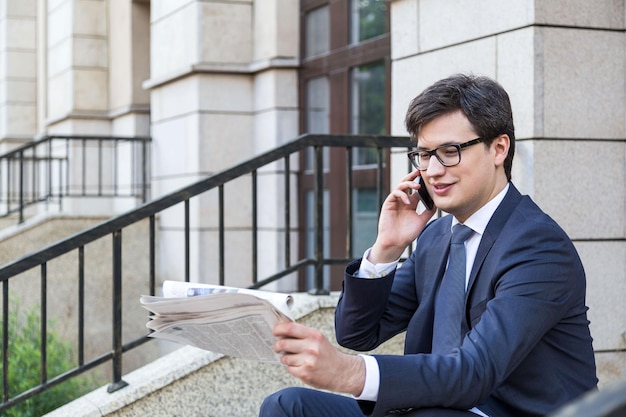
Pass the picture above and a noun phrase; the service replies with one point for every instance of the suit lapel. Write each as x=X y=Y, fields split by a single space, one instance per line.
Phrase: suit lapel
x=494 y=227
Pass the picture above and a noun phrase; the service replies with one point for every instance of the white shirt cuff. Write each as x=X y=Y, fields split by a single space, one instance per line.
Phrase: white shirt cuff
x=372 y=379
x=369 y=270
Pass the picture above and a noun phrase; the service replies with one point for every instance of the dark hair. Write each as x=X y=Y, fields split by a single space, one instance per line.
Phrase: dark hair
x=483 y=101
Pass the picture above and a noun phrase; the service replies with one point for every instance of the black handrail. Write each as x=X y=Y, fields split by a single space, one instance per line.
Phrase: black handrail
x=40 y=171
x=116 y=225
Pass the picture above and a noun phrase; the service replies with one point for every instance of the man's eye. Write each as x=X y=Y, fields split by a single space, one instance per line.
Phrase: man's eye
x=423 y=156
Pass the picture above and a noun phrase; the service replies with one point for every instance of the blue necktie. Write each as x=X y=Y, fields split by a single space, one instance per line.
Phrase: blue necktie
x=450 y=301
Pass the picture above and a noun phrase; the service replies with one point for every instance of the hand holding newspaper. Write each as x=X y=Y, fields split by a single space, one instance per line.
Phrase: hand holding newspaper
x=232 y=321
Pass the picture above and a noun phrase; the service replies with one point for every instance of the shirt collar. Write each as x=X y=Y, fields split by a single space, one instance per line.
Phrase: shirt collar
x=479 y=220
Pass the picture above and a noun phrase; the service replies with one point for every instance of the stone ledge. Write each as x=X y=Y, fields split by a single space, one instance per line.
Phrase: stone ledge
x=223 y=68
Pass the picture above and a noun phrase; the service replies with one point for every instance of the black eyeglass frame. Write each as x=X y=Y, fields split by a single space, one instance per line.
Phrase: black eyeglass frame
x=433 y=152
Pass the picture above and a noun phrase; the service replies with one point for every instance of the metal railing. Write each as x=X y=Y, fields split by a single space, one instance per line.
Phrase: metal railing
x=54 y=168
x=278 y=161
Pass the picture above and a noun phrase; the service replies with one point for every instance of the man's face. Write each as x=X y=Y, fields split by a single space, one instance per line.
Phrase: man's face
x=462 y=189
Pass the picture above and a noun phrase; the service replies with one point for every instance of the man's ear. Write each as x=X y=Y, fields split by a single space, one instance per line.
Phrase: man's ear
x=500 y=146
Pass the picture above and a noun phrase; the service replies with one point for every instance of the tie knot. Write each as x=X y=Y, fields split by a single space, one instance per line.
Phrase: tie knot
x=460 y=233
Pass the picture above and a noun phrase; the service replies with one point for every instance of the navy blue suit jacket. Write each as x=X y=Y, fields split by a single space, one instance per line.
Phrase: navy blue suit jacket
x=527 y=349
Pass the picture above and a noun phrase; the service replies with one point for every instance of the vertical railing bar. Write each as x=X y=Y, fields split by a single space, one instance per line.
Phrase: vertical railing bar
x=255 y=233
x=350 y=202
x=379 y=178
x=116 y=144
x=117 y=313
x=5 y=340
x=100 y=167
x=64 y=160
x=44 y=323
x=287 y=212
x=9 y=183
x=84 y=170
x=144 y=182
x=319 y=221
x=222 y=262
x=187 y=243
x=49 y=192
x=21 y=188
x=35 y=194
x=134 y=172
x=152 y=255
x=67 y=169
x=81 y=305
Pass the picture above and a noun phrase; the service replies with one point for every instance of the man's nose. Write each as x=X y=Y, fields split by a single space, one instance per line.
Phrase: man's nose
x=435 y=167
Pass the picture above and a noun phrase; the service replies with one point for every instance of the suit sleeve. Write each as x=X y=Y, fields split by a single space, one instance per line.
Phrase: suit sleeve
x=368 y=314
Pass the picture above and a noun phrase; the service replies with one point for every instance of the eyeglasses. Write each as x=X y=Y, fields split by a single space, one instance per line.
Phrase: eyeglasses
x=448 y=155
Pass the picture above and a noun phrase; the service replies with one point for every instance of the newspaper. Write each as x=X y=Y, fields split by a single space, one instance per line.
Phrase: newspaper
x=233 y=321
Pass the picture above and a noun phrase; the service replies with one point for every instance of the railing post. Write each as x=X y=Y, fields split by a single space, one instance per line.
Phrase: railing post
x=255 y=234
x=21 y=192
x=5 y=340
x=187 y=243
x=287 y=205
x=44 y=323
x=144 y=171
x=319 y=222
x=117 y=383
x=222 y=236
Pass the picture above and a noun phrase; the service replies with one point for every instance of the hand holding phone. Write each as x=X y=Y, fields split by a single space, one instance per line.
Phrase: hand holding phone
x=424 y=195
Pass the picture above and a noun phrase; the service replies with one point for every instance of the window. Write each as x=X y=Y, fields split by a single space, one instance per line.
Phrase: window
x=367 y=19
x=368 y=106
x=344 y=81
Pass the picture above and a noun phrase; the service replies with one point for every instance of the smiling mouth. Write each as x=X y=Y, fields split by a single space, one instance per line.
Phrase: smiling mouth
x=441 y=189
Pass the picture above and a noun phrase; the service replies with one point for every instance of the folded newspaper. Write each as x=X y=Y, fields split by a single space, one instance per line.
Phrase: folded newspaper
x=233 y=321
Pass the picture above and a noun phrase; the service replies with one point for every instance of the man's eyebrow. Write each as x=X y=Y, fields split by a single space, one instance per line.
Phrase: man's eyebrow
x=421 y=148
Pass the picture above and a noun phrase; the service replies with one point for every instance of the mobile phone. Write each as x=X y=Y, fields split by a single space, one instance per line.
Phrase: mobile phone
x=425 y=196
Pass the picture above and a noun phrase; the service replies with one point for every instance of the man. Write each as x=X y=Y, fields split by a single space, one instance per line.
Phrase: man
x=516 y=342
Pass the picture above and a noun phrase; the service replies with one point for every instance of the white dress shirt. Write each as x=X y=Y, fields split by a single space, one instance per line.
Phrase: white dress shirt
x=478 y=223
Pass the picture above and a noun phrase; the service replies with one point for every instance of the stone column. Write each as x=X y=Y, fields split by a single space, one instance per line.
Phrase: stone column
x=219 y=72
x=77 y=67
x=18 y=76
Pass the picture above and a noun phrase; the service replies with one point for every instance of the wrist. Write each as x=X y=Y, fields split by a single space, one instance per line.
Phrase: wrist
x=380 y=254
x=355 y=380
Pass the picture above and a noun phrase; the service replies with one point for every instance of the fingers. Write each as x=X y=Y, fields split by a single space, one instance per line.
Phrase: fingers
x=291 y=329
x=300 y=348
x=409 y=184
x=296 y=338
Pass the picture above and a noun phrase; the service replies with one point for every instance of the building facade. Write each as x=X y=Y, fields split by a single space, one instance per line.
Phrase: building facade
x=215 y=82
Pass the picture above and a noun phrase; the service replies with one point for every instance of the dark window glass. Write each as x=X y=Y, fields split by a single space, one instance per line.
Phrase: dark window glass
x=367 y=19
x=317 y=32
x=368 y=106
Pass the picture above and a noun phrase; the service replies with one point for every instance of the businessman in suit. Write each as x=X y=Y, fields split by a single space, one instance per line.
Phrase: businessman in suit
x=492 y=299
